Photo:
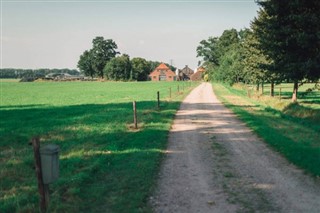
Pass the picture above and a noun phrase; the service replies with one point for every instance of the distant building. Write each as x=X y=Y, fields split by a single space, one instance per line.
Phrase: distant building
x=162 y=73
x=185 y=73
x=198 y=76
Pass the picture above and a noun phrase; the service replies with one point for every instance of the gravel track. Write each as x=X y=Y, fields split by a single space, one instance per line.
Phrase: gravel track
x=215 y=163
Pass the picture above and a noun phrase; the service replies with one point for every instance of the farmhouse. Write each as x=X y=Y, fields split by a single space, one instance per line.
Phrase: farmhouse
x=198 y=75
x=162 y=73
x=185 y=73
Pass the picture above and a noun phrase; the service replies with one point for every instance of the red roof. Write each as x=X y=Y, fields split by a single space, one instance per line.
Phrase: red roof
x=162 y=66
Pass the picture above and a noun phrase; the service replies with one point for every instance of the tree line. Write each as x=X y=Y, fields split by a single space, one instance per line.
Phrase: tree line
x=104 y=61
x=33 y=73
x=281 y=45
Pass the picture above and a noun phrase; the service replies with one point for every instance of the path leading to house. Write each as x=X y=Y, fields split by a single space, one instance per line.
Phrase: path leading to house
x=214 y=163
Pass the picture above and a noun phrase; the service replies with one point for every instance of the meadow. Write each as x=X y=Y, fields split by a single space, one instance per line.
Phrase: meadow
x=292 y=129
x=105 y=164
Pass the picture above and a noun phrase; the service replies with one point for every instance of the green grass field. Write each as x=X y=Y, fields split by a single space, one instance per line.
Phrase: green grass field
x=105 y=165
x=291 y=129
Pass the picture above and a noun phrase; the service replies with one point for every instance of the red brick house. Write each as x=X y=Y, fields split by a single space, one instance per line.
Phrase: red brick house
x=198 y=76
x=162 y=73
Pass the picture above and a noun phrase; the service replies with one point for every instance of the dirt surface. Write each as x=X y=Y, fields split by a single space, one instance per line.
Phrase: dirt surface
x=216 y=164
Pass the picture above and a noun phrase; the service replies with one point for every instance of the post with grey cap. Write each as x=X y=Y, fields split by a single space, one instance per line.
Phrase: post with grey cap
x=47 y=169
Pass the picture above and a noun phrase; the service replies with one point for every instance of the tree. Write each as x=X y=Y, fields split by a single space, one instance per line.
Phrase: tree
x=222 y=56
x=93 y=61
x=290 y=36
x=227 y=41
x=85 y=64
x=102 y=52
x=118 y=68
x=255 y=62
x=140 y=69
x=208 y=50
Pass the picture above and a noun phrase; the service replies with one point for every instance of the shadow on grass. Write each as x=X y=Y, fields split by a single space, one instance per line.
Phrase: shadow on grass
x=102 y=162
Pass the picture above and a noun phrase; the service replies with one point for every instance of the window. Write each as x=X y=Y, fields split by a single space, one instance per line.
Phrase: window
x=154 y=77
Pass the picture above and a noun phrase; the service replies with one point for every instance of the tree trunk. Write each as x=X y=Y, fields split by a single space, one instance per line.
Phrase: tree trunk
x=262 y=88
x=272 y=89
x=258 y=87
x=295 y=92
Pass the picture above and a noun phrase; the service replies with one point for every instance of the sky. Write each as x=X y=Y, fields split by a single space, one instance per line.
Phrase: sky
x=54 y=33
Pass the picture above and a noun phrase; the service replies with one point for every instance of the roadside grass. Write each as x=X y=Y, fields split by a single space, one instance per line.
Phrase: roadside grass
x=291 y=129
x=105 y=166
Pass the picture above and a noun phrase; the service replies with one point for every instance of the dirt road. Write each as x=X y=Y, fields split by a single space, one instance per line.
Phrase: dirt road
x=216 y=164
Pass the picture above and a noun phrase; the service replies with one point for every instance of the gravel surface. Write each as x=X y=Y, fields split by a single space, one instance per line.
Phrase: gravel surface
x=214 y=163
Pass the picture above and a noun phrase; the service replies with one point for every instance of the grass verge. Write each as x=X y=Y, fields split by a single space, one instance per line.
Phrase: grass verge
x=283 y=126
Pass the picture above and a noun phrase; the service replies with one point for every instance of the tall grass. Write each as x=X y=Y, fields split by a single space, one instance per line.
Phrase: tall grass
x=290 y=129
x=105 y=165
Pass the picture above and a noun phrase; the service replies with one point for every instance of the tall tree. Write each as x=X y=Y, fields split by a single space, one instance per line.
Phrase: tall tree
x=93 y=61
x=290 y=36
x=140 y=69
x=119 y=69
x=208 y=50
x=255 y=62
x=102 y=51
x=222 y=56
x=85 y=64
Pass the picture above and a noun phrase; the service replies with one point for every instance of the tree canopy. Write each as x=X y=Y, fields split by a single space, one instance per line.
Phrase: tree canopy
x=93 y=61
x=289 y=34
x=283 y=44
x=118 y=68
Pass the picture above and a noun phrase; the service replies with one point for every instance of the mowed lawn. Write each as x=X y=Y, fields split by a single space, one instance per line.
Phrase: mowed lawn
x=105 y=165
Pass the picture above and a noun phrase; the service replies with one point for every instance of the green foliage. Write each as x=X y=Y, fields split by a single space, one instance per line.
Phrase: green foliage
x=140 y=69
x=288 y=32
x=222 y=56
x=208 y=50
x=105 y=165
x=93 y=61
x=254 y=61
x=85 y=64
x=119 y=69
x=282 y=45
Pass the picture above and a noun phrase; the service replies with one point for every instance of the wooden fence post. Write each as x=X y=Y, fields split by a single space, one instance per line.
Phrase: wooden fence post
x=158 y=97
x=42 y=189
x=280 y=93
x=135 y=115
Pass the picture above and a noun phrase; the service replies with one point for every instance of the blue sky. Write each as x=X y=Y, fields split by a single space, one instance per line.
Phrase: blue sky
x=53 y=34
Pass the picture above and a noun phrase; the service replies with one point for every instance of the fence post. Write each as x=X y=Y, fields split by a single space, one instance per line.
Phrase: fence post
x=135 y=115
x=42 y=189
x=280 y=93
x=158 y=97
